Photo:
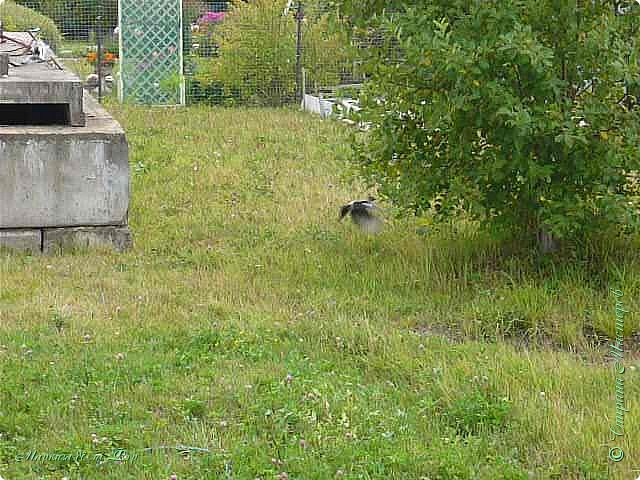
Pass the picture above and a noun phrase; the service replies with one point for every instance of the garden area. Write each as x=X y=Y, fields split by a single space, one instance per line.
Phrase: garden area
x=249 y=334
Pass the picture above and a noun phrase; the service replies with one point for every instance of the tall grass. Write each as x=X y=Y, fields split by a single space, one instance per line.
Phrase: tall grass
x=249 y=322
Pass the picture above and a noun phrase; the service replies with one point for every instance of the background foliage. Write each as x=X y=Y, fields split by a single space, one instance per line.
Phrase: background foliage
x=18 y=18
x=77 y=18
x=256 y=52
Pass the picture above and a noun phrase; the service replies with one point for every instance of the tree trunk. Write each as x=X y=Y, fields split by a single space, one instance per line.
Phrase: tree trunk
x=547 y=242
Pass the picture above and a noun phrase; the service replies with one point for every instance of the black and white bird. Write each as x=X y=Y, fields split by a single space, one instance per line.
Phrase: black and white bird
x=364 y=213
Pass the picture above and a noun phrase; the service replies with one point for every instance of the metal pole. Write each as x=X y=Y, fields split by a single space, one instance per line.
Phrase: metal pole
x=304 y=85
x=299 y=17
x=99 y=55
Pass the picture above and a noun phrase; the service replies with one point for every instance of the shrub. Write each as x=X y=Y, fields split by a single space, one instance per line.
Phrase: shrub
x=211 y=93
x=257 y=52
x=18 y=18
x=521 y=122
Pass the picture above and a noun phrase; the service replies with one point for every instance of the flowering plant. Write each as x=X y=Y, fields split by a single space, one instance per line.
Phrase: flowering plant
x=203 y=44
x=211 y=17
x=108 y=58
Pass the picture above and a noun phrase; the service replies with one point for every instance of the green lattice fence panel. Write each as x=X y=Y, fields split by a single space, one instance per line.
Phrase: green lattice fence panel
x=151 y=51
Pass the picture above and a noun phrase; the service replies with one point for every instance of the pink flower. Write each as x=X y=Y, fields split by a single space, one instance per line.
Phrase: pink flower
x=211 y=17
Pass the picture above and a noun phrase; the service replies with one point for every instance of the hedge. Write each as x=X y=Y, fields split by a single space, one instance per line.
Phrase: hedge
x=76 y=19
x=17 y=18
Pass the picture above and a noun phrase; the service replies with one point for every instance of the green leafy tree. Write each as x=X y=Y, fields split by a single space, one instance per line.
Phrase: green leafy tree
x=523 y=114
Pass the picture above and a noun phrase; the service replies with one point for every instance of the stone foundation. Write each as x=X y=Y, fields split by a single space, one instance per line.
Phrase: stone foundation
x=64 y=176
x=64 y=163
x=21 y=240
x=65 y=187
x=56 y=240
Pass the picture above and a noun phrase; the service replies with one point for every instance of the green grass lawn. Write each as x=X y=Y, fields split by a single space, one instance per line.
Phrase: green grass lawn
x=247 y=321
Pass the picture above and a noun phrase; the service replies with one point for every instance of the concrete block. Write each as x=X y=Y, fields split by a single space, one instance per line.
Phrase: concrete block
x=116 y=238
x=64 y=166
x=37 y=83
x=59 y=176
x=21 y=240
x=4 y=64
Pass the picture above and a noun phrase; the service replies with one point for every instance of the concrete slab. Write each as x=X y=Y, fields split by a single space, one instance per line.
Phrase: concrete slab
x=21 y=240
x=63 y=176
x=64 y=166
x=57 y=239
x=40 y=83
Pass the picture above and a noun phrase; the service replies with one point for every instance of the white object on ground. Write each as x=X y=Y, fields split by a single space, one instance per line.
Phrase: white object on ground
x=318 y=105
x=311 y=103
x=326 y=108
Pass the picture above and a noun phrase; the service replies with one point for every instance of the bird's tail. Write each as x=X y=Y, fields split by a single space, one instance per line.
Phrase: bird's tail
x=343 y=211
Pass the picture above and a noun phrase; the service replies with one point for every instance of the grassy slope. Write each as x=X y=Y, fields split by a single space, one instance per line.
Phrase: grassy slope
x=241 y=275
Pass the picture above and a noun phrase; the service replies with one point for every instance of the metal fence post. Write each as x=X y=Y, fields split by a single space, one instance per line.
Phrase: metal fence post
x=299 y=17
x=99 y=55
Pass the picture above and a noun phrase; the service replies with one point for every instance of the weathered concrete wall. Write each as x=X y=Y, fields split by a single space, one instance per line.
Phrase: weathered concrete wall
x=64 y=183
x=63 y=176
x=21 y=240
x=56 y=239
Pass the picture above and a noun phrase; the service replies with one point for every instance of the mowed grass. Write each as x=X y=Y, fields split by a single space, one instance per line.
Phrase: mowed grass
x=247 y=321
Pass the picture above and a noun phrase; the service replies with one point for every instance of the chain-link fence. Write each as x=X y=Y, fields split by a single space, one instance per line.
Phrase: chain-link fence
x=265 y=51
x=253 y=52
